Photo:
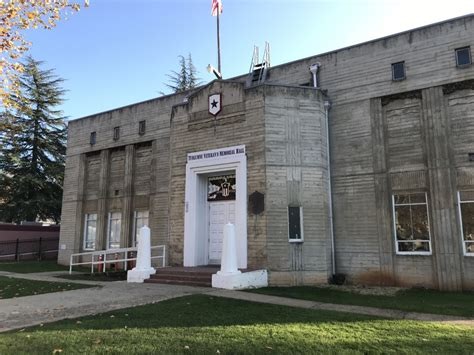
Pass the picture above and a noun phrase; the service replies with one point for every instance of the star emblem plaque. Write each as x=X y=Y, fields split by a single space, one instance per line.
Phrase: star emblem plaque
x=215 y=104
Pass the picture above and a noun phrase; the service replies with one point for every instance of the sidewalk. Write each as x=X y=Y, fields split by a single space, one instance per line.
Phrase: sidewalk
x=17 y=313
x=26 y=311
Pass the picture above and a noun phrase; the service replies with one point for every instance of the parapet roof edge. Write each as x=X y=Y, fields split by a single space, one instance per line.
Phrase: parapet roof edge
x=366 y=42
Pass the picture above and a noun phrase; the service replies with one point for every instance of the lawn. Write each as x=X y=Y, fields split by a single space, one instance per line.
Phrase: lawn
x=12 y=287
x=411 y=300
x=26 y=267
x=211 y=325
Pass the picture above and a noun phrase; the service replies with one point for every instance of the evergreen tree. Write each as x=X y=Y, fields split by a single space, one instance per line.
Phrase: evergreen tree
x=184 y=79
x=32 y=148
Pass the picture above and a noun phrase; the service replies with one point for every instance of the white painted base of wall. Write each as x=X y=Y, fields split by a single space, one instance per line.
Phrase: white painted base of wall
x=139 y=275
x=252 y=279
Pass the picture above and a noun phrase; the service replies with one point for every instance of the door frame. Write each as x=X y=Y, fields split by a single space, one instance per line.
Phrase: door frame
x=196 y=235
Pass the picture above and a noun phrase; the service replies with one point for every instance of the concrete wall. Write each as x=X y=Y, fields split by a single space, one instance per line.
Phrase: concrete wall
x=296 y=175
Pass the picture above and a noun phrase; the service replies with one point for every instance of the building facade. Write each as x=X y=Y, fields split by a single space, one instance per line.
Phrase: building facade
x=391 y=201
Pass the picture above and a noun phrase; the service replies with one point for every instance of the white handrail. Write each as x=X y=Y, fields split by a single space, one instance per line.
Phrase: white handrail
x=105 y=260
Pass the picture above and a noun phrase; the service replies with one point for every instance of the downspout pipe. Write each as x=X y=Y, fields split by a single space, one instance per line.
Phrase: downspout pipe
x=314 y=68
x=327 y=107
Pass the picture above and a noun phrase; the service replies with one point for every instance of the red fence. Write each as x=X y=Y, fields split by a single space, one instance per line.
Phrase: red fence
x=29 y=249
x=27 y=242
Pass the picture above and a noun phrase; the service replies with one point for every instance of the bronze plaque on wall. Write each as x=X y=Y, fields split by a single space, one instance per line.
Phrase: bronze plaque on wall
x=221 y=188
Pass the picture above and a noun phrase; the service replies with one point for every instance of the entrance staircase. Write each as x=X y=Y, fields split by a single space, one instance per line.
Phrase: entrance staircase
x=190 y=276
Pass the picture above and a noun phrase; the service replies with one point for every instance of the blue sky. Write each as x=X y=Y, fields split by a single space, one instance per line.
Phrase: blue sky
x=118 y=52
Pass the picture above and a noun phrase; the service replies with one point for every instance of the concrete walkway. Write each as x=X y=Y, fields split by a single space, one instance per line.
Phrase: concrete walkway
x=16 y=313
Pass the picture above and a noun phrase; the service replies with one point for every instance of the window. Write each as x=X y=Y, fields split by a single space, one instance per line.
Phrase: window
x=295 y=224
x=140 y=220
x=463 y=57
x=466 y=218
x=113 y=233
x=411 y=224
x=92 y=138
x=90 y=231
x=141 y=127
x=116 y=133
x=398 y=71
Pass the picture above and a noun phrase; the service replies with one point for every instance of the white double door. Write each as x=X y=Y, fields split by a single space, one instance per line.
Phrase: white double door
x=220 y=213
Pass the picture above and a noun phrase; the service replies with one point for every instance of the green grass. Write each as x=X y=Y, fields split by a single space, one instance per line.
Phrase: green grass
x=103 y=276
x=12 y=287
x=411 y=300
x=202 y=324
x=26 y=267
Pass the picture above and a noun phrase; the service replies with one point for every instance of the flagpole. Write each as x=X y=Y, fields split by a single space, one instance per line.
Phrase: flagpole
x=218 y=43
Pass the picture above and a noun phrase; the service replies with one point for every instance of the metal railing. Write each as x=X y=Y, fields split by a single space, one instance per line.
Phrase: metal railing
x=113 y=256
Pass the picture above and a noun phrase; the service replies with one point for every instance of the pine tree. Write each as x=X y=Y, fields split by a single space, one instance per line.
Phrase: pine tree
x=193 y=80
x=184 y=79
x=32 y=148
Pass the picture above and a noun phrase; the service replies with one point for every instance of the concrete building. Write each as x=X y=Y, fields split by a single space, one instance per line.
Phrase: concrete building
x=394 y=204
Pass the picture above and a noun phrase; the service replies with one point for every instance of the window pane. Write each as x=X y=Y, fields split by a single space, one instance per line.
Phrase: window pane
x=398 y=71
x=422 y=246
x=418 y=198
x=403 y=223
x=114 y=230
x=420 y=222
x=294 y=221
x=467 y=216
x=466 y=195
x=463 y=56
x=401 y=199
x=90 y=234
x=412 y=230
x=470 y=247
x=90 y=231
x=406 y=246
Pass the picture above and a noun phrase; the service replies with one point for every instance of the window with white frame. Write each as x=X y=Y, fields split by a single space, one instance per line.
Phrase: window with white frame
x=411 y=223
x=113 y=234
x=295 y=223
x=90 y=231
x=140 y=220
x=466 y=218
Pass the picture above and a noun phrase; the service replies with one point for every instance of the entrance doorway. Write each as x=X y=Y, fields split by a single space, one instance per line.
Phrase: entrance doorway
x=216 y=193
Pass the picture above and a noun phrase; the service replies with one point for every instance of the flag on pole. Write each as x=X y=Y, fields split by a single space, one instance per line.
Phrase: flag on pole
x=216 y=6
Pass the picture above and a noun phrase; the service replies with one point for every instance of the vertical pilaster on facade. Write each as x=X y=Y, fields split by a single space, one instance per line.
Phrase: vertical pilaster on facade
x=101 y=242
x=72 y=219
x=382 y=191
x=80 y=197
x=127 y=197
x=446 y=250
x=153 y=195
